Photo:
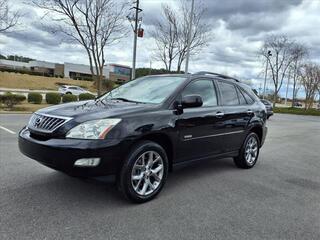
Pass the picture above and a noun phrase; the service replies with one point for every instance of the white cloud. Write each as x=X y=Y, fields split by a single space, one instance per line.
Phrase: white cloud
x=238 y=29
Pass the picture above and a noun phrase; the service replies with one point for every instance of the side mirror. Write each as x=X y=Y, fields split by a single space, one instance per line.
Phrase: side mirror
x=191 y=101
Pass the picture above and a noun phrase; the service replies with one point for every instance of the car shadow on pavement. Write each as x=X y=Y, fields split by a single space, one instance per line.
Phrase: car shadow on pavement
x=56 y=189
x=199 y=170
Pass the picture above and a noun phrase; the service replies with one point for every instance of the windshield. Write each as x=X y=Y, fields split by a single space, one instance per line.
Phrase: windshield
x=153 y=89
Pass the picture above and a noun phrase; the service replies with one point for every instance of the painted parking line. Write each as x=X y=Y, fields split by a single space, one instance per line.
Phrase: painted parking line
x=7 y=130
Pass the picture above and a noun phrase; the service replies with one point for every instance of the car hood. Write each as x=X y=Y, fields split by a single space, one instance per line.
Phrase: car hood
x=94 y=109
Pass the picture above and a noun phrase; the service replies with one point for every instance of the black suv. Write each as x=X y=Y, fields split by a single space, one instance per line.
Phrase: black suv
x=147 y=127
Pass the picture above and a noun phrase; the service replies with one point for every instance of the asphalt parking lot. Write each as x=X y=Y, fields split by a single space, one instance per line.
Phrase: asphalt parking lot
x=278 y=199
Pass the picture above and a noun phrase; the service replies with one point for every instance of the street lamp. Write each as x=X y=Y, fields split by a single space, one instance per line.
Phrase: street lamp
x=189 y=38
x=137 y=34
x=269 y=54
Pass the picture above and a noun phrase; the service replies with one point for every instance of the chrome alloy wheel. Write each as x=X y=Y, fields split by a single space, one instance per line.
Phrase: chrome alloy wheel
x=251 y=151
x=147 y=173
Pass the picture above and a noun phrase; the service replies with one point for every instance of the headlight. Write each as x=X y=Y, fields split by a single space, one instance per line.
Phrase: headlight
x=96 y=129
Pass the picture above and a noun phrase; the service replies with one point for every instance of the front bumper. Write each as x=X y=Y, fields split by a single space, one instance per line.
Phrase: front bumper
x=61 y=154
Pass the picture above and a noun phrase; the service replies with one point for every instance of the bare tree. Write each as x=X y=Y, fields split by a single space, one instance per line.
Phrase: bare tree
x=200 y=32
x=297 y=86
x=299 y=52
x=171 y=34
x=94 y=24
x=310 y=80
x=280 y=60
x=166 y=37
x=8 y=18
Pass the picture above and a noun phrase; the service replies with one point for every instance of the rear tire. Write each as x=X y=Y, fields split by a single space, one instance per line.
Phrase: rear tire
x=144 y=172
x=249 y=152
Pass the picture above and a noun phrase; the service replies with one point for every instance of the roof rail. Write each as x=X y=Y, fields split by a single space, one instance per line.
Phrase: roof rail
x=217 y=74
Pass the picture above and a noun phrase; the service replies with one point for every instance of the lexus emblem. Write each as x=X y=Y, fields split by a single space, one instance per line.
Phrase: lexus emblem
x=38 y=121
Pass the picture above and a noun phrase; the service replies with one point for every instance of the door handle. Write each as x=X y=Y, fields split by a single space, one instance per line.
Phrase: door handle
x=219 y=114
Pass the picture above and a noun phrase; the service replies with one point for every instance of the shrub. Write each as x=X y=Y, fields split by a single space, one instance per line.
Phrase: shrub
x=35 y=98
x=298 y=111
x=10 y=99
x=86 y=96
x=53 y=98
x=69 y=98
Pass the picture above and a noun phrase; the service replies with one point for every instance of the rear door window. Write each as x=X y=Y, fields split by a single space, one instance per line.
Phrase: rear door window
x=246 y=96
x=229 y=95
x=242 y=99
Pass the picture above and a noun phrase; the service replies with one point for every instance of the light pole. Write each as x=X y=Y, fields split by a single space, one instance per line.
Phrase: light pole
x=266 y=73
x=189 y=38
x=136 y=19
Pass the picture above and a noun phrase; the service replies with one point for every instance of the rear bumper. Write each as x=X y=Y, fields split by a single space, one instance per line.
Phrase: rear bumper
x=61 y=154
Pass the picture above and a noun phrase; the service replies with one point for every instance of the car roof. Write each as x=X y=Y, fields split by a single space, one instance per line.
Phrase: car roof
x=199 y=74
x=216 y=75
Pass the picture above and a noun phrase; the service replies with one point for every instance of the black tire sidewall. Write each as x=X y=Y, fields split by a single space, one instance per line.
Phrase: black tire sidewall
x=241 y=159
x=125 y=175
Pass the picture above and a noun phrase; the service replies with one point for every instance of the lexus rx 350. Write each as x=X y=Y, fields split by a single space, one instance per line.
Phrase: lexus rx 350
x=147 y=127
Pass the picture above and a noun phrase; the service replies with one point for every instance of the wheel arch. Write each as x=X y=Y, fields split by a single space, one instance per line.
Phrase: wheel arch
x=164 y=141
x=257 y=129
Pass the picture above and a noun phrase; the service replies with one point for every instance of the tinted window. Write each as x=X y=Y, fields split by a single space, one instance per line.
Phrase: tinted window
x=242 y=99
x=73 y=88
x=228 y=94
x=248 y=93
x=203 y=88
x=246 y=96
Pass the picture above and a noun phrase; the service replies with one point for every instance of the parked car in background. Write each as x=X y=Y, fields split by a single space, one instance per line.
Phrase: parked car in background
x=297 y=104
x=74 y=90
x=147 y=127
x=269 y=107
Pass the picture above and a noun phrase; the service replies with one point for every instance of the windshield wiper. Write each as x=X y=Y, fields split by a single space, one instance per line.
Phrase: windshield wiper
x=99 y=100
x=125 y=100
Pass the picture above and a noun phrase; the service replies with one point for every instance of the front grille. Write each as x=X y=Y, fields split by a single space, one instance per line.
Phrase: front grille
x=46 y=123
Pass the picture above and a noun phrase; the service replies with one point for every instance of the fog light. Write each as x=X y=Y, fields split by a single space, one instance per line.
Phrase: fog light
x=87 y=162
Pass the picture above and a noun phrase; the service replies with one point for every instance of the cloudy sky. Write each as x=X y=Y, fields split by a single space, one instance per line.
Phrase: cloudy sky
x=238 y=26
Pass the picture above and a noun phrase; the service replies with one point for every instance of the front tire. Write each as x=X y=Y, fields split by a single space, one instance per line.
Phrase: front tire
x=144 y=172
x=249 y=152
